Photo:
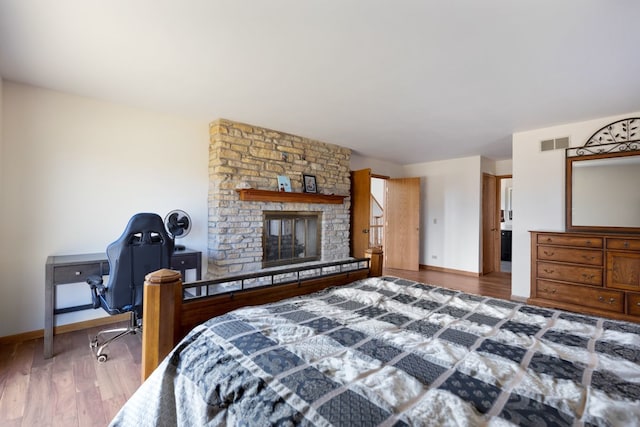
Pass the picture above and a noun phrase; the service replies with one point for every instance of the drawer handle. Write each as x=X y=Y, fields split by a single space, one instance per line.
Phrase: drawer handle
x=588 y=257
x=549 y=239
x=552 y=290
x=611 y=300
x=182 y=262
x=549 y=253
x=78 y=273
x=638 y=304
x=546 y=270
x=588 y=276
x=625 y=244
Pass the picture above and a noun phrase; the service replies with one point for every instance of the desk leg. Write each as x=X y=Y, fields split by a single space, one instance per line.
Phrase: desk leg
x=199 y=273
x=48 y=312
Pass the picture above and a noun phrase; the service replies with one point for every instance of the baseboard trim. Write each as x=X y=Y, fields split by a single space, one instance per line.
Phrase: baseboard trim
x=519 y=299
x=449 y=270
x=25 y=336
x=62 y=329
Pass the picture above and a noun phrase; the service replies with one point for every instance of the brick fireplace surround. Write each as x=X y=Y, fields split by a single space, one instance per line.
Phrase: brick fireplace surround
x=245 y=154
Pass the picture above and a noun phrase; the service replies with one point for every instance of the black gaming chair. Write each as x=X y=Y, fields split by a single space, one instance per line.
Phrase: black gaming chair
x=144 y=247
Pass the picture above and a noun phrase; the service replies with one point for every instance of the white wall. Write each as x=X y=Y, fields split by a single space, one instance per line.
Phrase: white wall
x=450 y=212
x=3 y=247
x=538 y=189
x=1 y=145
x=378 y=167
x=450 y=206
x=75 y=170
x=487 y=166
x=504 y=167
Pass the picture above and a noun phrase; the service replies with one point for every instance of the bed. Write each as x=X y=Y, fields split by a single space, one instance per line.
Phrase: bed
x=393 y=352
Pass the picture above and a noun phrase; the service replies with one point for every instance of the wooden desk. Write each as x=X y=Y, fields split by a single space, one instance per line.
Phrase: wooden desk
x=65 y=269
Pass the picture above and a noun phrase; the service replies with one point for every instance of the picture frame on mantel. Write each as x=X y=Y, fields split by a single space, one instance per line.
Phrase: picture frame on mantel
x=309 y=183
x=284 y=184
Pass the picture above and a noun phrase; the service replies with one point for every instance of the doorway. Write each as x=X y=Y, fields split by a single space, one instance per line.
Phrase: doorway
x=376 y=232
x=385 y=213
x=504 y=186
x=497 y=217
x=367 y=211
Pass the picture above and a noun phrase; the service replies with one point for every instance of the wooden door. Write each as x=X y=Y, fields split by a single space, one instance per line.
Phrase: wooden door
x=490 y=229
x=402 y=224
x=360 y=211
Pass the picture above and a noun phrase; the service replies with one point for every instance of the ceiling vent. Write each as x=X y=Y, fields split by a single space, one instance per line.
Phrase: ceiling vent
x=554 y=144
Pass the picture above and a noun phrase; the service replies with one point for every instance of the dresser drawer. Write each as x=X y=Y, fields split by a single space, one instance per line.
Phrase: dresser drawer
x=579 y=241
x=570 y=273
x=581 y=295
x=75 y=273
x=633 y=304
x=623 y=244
x=184 y=262
x=577 y=256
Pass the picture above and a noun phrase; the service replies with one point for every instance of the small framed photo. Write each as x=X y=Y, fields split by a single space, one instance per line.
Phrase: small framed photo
x=309 y=183
x=284 y=183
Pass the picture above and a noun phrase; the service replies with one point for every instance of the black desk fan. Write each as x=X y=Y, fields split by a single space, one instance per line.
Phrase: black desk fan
x=178 y=224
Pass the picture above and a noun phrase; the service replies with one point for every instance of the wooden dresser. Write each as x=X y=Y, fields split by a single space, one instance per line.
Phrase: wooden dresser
x=587 y=273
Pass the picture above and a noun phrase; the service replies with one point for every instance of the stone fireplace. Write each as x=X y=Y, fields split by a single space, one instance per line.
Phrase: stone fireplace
x=241 y=156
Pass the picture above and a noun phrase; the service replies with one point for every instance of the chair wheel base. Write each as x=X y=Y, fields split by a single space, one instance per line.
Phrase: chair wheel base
x=99 y=343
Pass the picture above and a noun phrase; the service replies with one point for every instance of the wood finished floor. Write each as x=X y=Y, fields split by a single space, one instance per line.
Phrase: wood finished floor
x=497 y=285
x=73 y=389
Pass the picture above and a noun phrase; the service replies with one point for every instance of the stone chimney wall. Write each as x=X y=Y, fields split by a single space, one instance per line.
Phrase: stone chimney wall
x=242 y=154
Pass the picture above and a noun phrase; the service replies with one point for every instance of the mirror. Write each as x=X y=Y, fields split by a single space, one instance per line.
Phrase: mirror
x=604 y=193
x=506 y=212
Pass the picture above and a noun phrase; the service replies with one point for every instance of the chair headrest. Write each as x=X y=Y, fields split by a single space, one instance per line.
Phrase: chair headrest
x=144 y=229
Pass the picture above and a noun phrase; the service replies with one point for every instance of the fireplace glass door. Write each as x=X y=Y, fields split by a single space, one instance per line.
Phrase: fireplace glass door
x=291 y=237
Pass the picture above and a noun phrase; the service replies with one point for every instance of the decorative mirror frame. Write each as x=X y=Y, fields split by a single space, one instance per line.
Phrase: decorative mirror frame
x=617 y=139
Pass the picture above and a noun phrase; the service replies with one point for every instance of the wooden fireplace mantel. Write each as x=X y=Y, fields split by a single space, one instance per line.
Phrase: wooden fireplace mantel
x=254 y=195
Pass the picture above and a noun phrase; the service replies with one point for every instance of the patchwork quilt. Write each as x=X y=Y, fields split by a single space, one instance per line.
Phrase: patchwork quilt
x=393 y=352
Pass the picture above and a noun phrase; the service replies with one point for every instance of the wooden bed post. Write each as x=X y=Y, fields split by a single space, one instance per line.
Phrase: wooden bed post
x=161 y=322
x=375 y=263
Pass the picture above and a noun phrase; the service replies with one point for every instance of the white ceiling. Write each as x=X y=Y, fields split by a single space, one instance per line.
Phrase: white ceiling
x=406 y=80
